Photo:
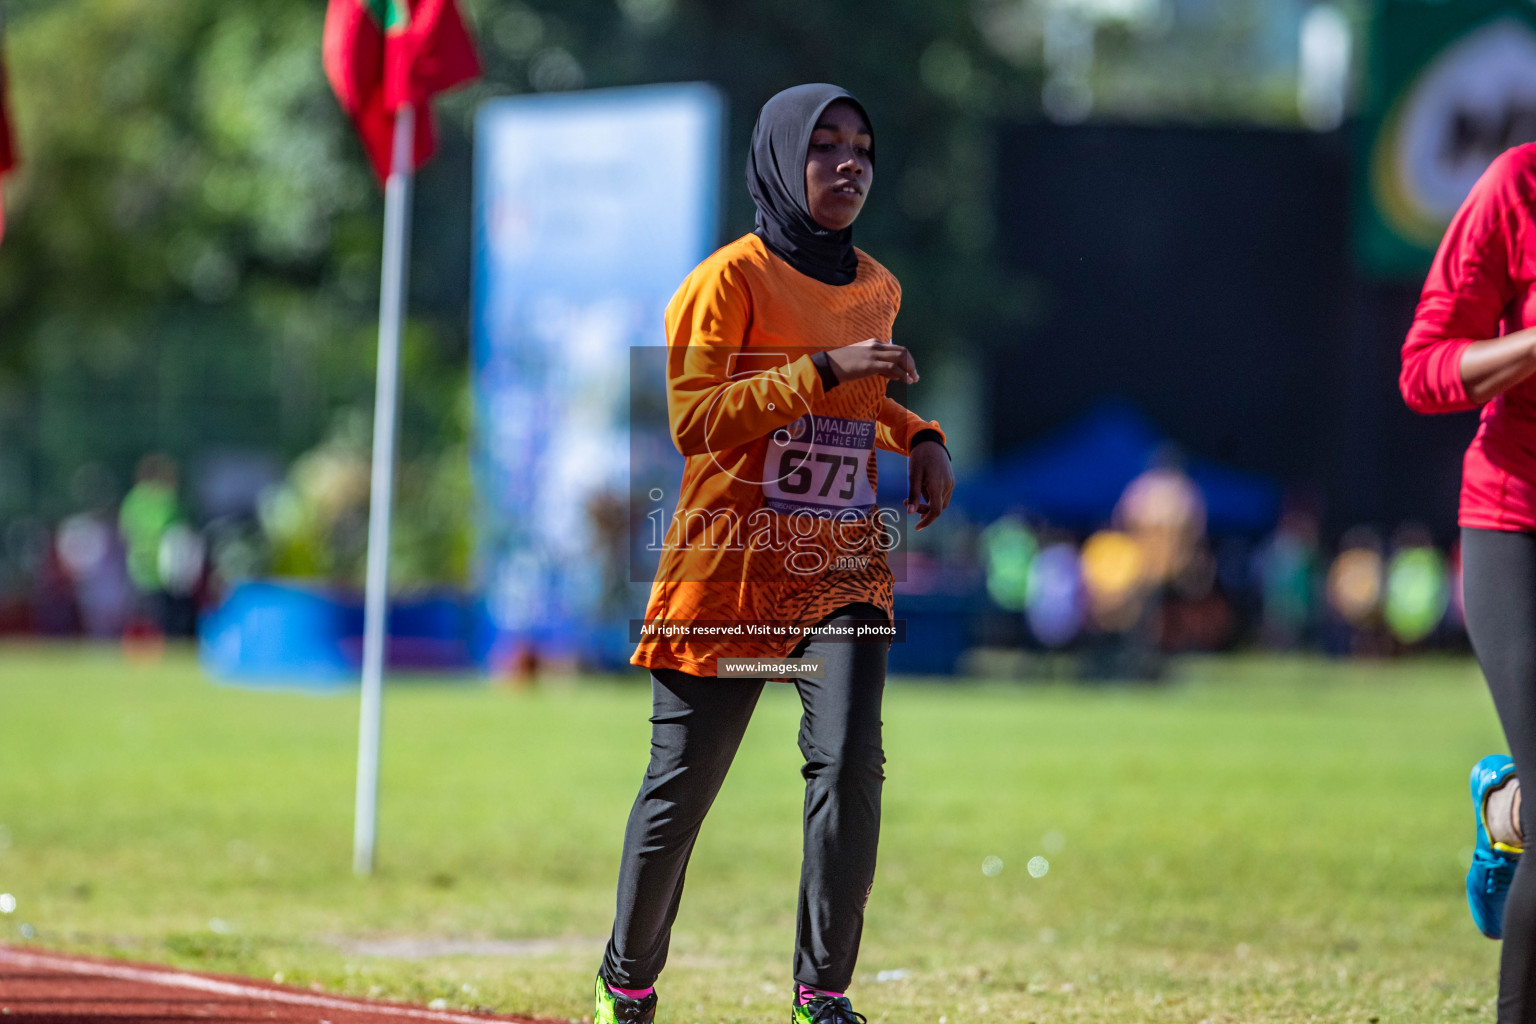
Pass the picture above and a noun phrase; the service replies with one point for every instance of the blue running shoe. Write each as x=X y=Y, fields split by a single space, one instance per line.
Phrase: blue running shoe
x=1493 y=864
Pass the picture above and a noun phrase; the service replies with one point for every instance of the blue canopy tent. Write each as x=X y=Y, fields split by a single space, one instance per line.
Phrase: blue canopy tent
x=1074 y=477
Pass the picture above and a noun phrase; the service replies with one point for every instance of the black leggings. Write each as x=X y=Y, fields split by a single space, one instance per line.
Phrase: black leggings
x=1499 y=581
x=696 y=726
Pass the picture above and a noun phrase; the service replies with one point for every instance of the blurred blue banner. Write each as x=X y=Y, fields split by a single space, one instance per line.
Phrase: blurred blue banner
x=590 y=208
x=1076 y=476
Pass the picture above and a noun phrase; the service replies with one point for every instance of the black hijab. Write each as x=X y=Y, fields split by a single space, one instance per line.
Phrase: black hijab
x=776 y=179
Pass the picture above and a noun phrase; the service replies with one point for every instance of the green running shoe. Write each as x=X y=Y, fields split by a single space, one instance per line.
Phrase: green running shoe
x=612 y=1009
x=827 y=1010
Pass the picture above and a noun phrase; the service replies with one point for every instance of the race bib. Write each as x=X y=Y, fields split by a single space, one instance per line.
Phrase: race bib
x=820 y=465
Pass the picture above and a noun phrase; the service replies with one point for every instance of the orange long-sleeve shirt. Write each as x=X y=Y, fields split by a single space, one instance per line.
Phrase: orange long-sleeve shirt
x=776 y=522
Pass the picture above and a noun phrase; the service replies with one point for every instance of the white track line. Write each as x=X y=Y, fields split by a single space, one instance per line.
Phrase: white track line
x=178 y=979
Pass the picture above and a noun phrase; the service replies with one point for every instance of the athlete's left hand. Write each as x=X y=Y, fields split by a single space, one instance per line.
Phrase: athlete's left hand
x=931 y=481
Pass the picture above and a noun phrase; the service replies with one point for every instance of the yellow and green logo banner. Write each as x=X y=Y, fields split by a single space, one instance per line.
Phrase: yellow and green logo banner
x=1449 y=87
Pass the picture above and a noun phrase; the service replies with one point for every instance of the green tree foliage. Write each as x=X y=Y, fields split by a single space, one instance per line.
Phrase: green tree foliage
x=193 y=253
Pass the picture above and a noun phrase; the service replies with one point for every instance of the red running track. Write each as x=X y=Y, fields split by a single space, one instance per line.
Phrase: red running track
x=51 y=988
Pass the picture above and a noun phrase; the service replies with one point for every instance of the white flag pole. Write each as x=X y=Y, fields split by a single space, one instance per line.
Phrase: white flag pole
x=397 y=243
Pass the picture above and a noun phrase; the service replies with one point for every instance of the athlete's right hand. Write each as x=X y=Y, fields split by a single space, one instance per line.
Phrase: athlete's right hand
x=872 y=358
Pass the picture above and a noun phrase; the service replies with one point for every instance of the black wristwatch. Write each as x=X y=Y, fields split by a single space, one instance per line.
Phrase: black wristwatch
x=929 y=434
x=824 y=368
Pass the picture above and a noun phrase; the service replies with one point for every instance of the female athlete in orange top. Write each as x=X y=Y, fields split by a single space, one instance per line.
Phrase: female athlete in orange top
x=778 y=359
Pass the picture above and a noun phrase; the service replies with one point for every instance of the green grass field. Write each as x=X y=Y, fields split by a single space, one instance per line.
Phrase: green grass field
x=1260 y=841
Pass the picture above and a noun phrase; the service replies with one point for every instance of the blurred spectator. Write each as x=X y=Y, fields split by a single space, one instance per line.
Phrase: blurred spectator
x=1057 y=599
x=91 y=557
x=1164 y=513
x=1114 y=566
x=1196 y=615
x=608 y=518
x=1288 y=567
x=181 y=566
x=1148 y=585
x=1355 y=589
x=148 y=511
x=1115 y=574
x=1010 y=549
x=1417 y=586
x=54 y=609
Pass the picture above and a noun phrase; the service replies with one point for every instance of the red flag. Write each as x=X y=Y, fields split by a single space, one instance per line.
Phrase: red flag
x=9 y=157
x=379 y=54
